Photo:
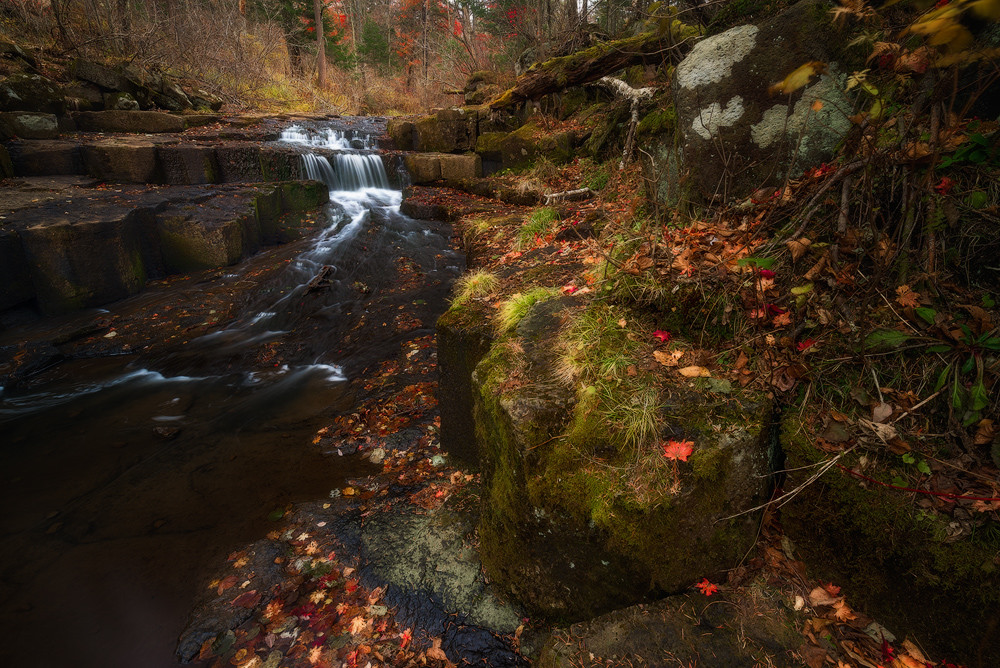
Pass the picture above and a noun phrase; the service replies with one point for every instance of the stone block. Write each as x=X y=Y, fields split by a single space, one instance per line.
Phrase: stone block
x=29 y=125
x=188 y=164
x=459 y=167
x=46 y=158
x=145 y=122
x=128 y=162
x=423 y=167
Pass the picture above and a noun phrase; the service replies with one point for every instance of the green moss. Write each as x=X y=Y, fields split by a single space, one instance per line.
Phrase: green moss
x=303 y=195
x=709 y=463
x=658 y=121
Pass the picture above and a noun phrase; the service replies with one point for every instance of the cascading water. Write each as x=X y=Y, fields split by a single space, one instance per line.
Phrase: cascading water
x=136 y=472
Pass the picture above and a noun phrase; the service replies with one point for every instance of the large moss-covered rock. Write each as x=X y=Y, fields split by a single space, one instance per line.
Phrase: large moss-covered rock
x=207 y=235
x=31 y=92
x=445 y=131
x=526 y=144
x=428 y=167
x=920 y=573
x=401 y=131
x=464 y=337
x=687 y=630
x=723 y=103
x=28 y=125
x=572 y=524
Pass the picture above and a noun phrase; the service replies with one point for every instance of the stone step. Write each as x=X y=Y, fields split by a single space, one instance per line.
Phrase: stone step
x=69 y=246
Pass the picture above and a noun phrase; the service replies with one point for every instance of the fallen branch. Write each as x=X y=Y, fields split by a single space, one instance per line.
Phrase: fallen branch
x=635 y=96
x=569 y=196
x=595 y=62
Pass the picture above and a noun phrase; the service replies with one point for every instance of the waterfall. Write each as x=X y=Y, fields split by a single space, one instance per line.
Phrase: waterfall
x=349 y=168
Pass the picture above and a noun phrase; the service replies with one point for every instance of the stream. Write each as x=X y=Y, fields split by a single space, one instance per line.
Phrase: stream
x=128 y=476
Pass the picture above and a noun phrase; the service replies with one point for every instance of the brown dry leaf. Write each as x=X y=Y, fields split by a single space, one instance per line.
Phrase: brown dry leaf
x=813 y=656
x=741 y=361
x=668 y=357
x=886 y=432
x=820 y=596
x=798 y=247
x=435 y=651
x=843 y=612
x=694 y=372
x=782 y=319
x=914 y=651
x=906 y=297
x=881 y=412
x=907 y=661
x=985 y=433
x=358 y=625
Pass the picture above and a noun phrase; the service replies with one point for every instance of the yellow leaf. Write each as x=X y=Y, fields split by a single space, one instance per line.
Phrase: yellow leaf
x=988 y=9
x=798 y=78
x=694 y=372
x=668 y=358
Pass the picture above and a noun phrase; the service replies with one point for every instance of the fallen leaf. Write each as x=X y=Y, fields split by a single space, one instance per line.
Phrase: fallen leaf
x=985 y=433
x=843 y=612
x=435 y=651
x=668 y=358
x=820 y=596
x=661 y=335
x=906 y=297
x=678 y=449
x=798 y=78
x=881 y=412
x=694 y=372
x=706 y=587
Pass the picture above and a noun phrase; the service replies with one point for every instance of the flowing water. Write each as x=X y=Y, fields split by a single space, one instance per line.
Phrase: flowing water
x=128 y=477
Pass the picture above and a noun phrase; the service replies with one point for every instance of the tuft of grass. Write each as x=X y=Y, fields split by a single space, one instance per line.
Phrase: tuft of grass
x=539 y=223
x=474 y=285
x=474 y=228
x=513 y=310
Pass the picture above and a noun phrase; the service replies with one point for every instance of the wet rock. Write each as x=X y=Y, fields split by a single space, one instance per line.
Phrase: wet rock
x=205 y=235
x=239 y=164
x=215 y=614
x=125 y=161
x=15 y=284
x=46 y=158
x=722 y=98
x=85 y=258
x=303 y=195
x=690 y=630
x=31 y=92
x=423 y=210
x=186 y=164
x=402 y=132
x=28 y=125
x=166 y=433
x=145 y=122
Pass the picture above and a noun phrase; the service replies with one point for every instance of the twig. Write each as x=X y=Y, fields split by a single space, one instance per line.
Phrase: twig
x=814 y=204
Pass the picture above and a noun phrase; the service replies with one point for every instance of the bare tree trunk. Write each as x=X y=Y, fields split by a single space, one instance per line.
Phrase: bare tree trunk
x=320 y=43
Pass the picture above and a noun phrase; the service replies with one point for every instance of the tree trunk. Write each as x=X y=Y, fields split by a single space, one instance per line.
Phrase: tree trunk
x=320 y=44
x=586 y=66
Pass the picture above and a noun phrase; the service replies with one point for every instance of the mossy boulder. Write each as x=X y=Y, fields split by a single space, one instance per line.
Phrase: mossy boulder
x=402 y=132
x=464 y=337
x=445 y=131
x=917 y=571
x=28 y=125
x=573 y=525
x=303 y=195
x=722 y=98
x=120 y=101
x=522 y=147
x=31 y=92
x=750 y=632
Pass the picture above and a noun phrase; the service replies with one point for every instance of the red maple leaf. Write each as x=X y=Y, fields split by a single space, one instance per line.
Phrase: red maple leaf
x=661 y=335
x=678 y=450
x=803 y=345
x=944 y=186
x=706 y=587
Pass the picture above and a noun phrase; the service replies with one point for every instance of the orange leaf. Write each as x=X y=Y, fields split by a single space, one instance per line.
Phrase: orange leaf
x=906 y=297
x=678 y=449
x=694 y=372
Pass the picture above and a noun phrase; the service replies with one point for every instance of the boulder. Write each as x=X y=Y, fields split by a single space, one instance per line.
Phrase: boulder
x=574 y=521
x=446 y=131
x=83 y=96
x=722 y=99
x=205 y=235
x=120 y=102
x=894 y=556
x=522 y=147
x=202 y=100
x=79 y=259
x=46 y=158
x=6 y=165
x=184 y=164
x=122 y=161
x=15 y=282
x=423 y=167
x=108 y=78
x=31 y=92
x=459 y=167
x=464 y=337
x=28 y=125
x=402 y=132
x=690 y=629
x=145 y=122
